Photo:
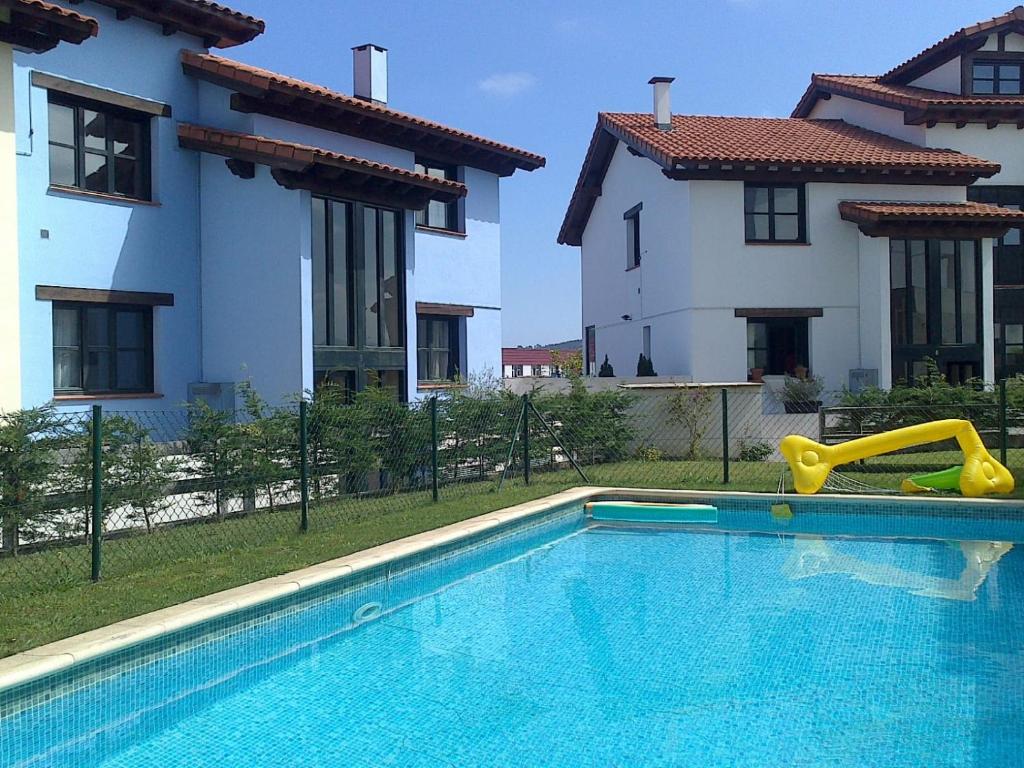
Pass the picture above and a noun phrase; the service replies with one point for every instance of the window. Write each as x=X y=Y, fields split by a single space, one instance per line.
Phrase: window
x=590 y=350
x=358 y=291
x=995 y=77
x=437 y=347
x=632 y=219
x=102 y=348
x=776 y=346
x=439 y=215
x=517 y=371
x=774 y=213
x=98 y=148
x=935 y=307
x=647 y=342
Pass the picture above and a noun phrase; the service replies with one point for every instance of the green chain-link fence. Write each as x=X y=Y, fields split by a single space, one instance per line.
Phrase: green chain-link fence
x=101 y=494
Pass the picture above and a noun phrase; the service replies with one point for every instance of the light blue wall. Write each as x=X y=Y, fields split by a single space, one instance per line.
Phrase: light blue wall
x=99 y=244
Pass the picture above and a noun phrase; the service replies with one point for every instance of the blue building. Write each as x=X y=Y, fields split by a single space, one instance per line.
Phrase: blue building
x=185 y=219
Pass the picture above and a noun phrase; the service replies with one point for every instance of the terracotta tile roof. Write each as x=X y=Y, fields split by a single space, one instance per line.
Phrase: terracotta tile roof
x=38 y=26
x=740 y=147
x=261 y=82
x=871 y=211
x=301 y=158
x=218 y=25
x=525 y=356
x=696 y=139
x=905 y=97
x=951 y=46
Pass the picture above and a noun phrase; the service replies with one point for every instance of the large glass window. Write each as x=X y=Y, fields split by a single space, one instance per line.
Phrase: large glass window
x=996 y=77
x=439 y=215
x=358 y=292
x=935 y=307
x=437 y=347
x=98 y=148
x=774 y=213
x=776 y=345
x=102 y=348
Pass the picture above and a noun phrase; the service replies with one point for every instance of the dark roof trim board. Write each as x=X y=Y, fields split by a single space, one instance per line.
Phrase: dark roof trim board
x=217 y=25
x=37 y=26
x=929 y=219
x=761 y=149
x=919 y=105
x=962 y=41
x=297 y=166
x=264 y=92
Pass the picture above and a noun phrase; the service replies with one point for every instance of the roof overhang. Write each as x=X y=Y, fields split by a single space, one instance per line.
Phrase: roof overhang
x=38 y=26
x=297 y=166
x=588 y=186
x=959 y=43
x=924 y=220
x=262 y=92
x=217 y=25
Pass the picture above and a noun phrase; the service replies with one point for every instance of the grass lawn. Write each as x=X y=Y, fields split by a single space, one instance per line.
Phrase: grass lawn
x=46 y=596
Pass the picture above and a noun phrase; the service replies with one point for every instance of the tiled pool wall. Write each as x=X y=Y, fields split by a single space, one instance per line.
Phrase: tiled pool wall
x=184 y=669
x=135 y=687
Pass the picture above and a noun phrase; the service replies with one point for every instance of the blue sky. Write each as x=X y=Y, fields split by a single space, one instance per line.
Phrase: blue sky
x=535 y=74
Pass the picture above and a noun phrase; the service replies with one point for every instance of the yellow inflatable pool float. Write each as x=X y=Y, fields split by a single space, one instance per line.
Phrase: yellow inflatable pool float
x=811 y=462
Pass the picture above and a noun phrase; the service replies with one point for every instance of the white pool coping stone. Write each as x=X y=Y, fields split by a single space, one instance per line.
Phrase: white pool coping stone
x=45 y=659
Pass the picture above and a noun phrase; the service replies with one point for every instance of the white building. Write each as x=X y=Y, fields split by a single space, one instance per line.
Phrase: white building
x=867 y=232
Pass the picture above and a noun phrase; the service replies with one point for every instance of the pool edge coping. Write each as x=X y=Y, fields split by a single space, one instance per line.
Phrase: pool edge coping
x=42 y=660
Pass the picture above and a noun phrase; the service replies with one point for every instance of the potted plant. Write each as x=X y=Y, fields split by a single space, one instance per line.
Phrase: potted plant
x=756 y=375
x=801 y=395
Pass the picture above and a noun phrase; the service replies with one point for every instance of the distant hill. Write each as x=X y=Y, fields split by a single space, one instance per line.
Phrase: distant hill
x=575 y=345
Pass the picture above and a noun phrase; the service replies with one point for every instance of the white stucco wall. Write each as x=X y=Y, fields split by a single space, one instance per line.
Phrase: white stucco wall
x=870 y=116
x=651 y=294
x=945 y=77
x=10 y=355
x=1003 y=144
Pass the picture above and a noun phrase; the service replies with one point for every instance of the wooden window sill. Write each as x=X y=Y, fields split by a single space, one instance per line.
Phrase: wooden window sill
x=635 y=266
x=425 y=386
x=440 y=231
x=108 y=396
x=62 y=190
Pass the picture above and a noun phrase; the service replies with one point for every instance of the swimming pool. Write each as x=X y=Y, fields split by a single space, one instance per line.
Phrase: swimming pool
x=852 y=635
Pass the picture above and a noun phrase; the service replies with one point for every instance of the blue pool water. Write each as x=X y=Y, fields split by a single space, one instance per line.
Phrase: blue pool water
x=569 y=644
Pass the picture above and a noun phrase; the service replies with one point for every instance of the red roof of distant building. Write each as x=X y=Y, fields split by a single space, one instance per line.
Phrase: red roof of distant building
x=525 y=356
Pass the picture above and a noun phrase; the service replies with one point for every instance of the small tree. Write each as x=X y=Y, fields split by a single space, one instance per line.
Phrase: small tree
x=211 y=439
x=28 y=461
x=691 y=409
x=606 y=371
x=264 y=445
x=569 y=362
x=644 y=366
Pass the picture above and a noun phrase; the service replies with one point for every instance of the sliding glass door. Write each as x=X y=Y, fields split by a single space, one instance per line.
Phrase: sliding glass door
x=358 y=296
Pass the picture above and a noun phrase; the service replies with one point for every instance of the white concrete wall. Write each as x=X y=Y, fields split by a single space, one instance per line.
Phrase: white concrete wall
x=650 y=293
x=1003 y=144
x=870 y=116
x=10 y=351
x=874 y=320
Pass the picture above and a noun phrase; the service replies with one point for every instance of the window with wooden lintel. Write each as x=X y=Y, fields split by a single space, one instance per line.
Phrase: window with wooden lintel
x=776 y=346
x=996 y=77
x=98 y=147
x=102 y=348
x=774 y=213
x=439 y=347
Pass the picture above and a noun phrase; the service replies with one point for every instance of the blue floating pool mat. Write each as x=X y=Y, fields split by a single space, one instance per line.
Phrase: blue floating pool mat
x=642 y=512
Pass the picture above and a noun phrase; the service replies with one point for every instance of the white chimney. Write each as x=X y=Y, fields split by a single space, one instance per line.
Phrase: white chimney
x=370 y=73
x=662 y=103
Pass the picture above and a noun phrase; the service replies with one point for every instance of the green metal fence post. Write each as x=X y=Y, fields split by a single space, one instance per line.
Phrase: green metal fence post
x=725 y=436
x=303 y=466
x=1002 y=422
x=526 y=438
x=97 y=490
x=433 y=447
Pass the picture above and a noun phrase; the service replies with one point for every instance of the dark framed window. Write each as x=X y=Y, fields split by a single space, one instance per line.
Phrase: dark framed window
x=438 y=215
x=102 y=348
x=774 y=213
x=358 y=291
x=438 y=348
x=98 y=147
x=995 y=76
x=517 y=371
x=590 y=350
x=776 y=345
x=935 y=308
x=632 y=219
